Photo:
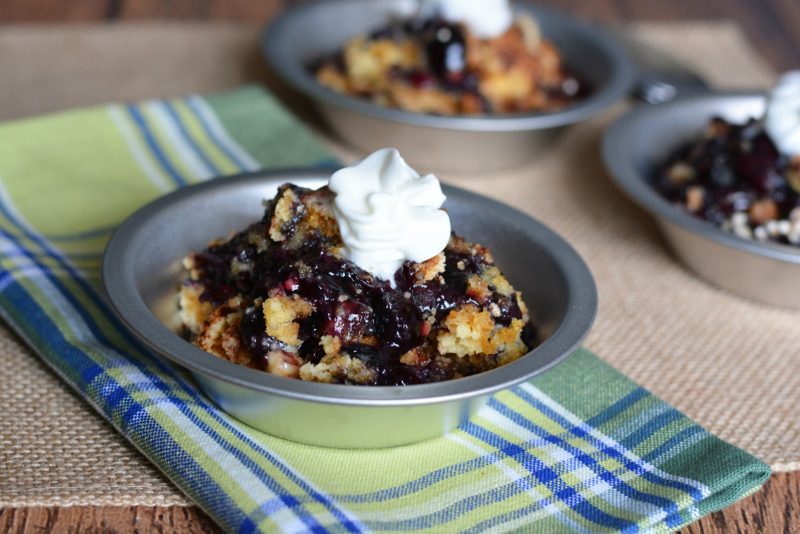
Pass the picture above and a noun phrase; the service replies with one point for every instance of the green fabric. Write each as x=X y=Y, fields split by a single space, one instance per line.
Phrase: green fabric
x=282 y=144
x=579 y=449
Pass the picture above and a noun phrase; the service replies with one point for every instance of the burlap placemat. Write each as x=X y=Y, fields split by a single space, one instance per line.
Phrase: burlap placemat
x=732 y=365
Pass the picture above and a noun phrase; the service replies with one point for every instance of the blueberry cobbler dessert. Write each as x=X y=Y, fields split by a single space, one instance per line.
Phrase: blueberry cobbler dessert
x=358 y=282
x=744 y=178
x=455 y=57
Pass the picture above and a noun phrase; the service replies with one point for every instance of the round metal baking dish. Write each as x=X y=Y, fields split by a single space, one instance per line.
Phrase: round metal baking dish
x=642 y=139
x=307 y=33
x=142 y=272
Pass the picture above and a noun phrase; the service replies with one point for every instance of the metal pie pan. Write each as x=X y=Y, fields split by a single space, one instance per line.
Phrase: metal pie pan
x=642 y=139
x=302 y=35
x=142 y=271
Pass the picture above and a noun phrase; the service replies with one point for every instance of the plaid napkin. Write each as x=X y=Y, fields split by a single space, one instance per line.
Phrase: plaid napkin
x=580 y=448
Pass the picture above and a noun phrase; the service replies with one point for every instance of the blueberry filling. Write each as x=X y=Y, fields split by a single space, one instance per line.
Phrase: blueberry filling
x=372 y=321
x=735 y=178
x=444 y=67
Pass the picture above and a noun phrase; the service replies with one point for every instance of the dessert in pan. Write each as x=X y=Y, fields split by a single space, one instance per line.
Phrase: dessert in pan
x=744 y=178
x=358 y=282
x=454 y=57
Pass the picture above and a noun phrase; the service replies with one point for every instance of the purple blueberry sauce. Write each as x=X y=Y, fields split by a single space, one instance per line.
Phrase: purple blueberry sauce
x=348 y=302
x=734 y=169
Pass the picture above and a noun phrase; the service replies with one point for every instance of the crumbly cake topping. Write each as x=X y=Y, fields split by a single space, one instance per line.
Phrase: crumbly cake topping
x=434 y=66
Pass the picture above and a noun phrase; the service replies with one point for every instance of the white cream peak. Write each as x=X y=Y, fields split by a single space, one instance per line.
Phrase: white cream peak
x=484 y=18
x=388 y=213
x=782 y=118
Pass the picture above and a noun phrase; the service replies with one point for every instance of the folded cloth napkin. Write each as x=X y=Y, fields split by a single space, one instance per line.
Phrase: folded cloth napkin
x=580 y=448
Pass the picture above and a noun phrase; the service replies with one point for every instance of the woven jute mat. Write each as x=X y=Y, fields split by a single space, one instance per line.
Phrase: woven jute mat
x=732 y=365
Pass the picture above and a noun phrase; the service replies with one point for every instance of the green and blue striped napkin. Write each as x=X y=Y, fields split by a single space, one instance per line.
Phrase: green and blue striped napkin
x=579 y=449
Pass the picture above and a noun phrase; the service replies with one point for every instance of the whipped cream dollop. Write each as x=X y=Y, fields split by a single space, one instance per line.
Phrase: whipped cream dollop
x=484 y=18
x=388 y=213
x=782 y=118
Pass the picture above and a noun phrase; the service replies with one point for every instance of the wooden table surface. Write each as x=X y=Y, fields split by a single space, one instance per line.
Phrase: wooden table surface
x=771 y=25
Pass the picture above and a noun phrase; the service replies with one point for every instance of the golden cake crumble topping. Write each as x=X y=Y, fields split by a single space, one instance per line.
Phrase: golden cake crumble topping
x=429 y=65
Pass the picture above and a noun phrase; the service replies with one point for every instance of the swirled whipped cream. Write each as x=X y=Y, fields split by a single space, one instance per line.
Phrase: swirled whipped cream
x=782 y=118
x=388 y=213
x=484 y=18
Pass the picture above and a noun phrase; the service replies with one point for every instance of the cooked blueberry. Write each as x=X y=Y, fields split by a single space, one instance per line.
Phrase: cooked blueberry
x=446 y=51
x=420 y=79
x=721 y=174
x=758 y=165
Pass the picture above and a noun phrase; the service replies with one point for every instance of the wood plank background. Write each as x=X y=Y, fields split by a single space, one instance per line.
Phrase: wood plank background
x=772 y=25
x=740 y=518
x=775 y=509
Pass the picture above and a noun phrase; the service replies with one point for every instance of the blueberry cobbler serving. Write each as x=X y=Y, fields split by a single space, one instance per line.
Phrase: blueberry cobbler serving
x=744 y=178
x=358 y=282
x=454 y=57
